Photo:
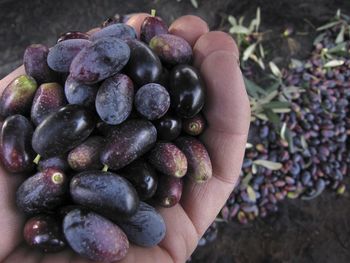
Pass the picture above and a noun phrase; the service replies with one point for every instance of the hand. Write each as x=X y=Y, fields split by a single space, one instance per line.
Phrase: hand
x=228 y=114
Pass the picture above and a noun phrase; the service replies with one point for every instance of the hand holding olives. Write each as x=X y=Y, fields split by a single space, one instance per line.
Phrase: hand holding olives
x=140 y=147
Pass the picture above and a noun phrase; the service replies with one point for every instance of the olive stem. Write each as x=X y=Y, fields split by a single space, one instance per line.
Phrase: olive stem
x=37 y=159
x=153 y=12
x=105 y=168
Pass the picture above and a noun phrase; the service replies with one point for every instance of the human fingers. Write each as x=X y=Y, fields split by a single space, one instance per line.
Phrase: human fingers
x=228 y=114
x=136 y=21
x=189 y=27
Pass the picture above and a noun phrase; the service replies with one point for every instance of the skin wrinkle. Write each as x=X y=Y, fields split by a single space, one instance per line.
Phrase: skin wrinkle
x=221 y=148
x=237 y=103
x=203 y=46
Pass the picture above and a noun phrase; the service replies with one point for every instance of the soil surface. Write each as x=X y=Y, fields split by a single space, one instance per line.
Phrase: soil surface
x=314 y=231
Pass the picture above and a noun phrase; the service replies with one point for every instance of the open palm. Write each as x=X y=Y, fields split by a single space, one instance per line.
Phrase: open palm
x=228 y=114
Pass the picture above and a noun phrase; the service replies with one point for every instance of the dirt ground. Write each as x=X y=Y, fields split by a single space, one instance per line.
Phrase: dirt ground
x=314 y=231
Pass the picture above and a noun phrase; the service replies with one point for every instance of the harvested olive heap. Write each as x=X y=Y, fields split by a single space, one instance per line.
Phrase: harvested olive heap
x=104 y=126
x=310 y=144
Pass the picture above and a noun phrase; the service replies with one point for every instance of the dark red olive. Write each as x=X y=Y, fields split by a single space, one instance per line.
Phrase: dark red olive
x=16 y=151
x=45 y=233
x=169 y=190
x=152 y=26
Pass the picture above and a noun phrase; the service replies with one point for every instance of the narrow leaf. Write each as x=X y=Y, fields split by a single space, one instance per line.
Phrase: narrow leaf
x=333 y=63
x=276 y=105
x=258 y=18
x=289 y=139
x=251 y=193
x=283 y=130
x=262 y=116
x=295 y=63
x=239 y=29
x=252 y=25
x=281 y=110
x=340 y=36
x=328 y=25
x=254 y=169
x=241 y=20
x=232 y=20
x=245 y=181
x=274 y=86
x=319 y=38
x=258 y=61
x=261 y=50
x=338 y=14
x=194 y=3
x=261 y=64
x=269 y=97
x=273 y=117
x=253 y=89
x=268 y=164
x=303 y=142
x=339 y=49
x=249 y=50
x=292 y=89
x=275 y=70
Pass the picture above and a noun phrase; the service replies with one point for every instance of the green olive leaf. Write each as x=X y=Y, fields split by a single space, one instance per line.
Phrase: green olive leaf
x=251 y=193
x=249 y=51
x=275 y=70
x=340 y=36
x=333 y=63
x=277 y=105
x=328 y=25
x=232 y=20
x=268 y=164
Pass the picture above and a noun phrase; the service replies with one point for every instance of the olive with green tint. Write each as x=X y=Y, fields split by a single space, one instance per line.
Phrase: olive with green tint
x=171 y=49
x=168 y=159
x=194 y=126
x=199 y=164
x=18 y=96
